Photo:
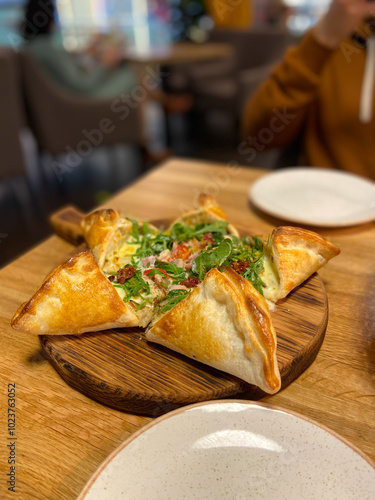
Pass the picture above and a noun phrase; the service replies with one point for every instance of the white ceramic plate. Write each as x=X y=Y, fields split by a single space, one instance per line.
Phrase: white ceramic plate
x=232 y=450
x=315 y=196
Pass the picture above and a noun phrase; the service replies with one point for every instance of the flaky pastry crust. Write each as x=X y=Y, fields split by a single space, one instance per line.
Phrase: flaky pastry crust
x=103 y=230
x=293 y=255
x=76 y=297
x=224 y=323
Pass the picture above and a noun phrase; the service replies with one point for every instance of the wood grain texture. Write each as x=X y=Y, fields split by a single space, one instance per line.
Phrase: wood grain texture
x=120 y=369
x=62 y=436
x=66 y=223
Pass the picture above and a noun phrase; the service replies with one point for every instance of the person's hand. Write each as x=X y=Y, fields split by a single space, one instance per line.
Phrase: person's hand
x=342 y=17
x=105 y=51
x=110 y=56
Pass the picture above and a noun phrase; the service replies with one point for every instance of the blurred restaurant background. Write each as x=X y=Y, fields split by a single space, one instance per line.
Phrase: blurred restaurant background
x=195 y=62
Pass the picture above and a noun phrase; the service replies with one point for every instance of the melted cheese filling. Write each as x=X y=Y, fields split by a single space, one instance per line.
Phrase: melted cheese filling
x=270 y=275
x=120 y=257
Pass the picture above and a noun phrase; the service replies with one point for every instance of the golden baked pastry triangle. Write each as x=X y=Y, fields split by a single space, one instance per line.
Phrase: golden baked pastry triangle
x=224 y=323
x=104 y=230
x=292 y=256
x=208 y=210
x=197 y=286
x=76 y=297
x=107 y=234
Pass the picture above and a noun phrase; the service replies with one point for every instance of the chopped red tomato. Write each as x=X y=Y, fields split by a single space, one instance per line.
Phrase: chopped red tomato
x=181 y=252
x=154 y=271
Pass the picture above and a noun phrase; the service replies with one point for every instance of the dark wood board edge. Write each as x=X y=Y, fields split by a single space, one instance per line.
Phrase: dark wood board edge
x=113 y=397
x=66 y=223
x=307 y=356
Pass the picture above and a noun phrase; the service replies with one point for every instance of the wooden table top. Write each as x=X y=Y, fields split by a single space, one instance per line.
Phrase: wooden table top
x=180 y=53
x=62 y=436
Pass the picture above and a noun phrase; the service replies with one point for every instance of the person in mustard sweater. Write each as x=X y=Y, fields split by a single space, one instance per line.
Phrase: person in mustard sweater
x=321 y=95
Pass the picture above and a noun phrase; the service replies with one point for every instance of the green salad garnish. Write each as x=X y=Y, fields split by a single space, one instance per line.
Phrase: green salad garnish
x=135 y=287
x=173 y=298
x=215 y=257
x=180 y=232
x=214 y=249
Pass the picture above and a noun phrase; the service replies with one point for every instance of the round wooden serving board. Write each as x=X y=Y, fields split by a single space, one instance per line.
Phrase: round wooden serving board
x=121 y=369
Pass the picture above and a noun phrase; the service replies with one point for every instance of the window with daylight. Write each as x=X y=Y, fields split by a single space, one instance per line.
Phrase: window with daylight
x=297 y=15
x=143 y=23
x=304 y=13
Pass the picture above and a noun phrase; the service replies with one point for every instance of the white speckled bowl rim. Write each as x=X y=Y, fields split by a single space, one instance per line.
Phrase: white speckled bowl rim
x=183 y=409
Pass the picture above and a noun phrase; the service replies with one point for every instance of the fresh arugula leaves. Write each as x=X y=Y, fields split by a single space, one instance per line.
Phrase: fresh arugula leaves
x=230 y=251
x=180 y=232
x=252 y=251
x=172 y=298
x=152 y=244
x=135 y=228
x=154 y=271
x=136 y=286
x=141 y=231
x=223 y=252
x=212 y=258
x=246 y=249
x=252 y=274
x=176 y=273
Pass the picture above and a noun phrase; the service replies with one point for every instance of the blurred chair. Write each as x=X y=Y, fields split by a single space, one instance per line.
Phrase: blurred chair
x=62 y=119
x=12 y=117
x=256 y=46
x=226 y=85
x=18 y=169
x=255 y=52
x=249 y=80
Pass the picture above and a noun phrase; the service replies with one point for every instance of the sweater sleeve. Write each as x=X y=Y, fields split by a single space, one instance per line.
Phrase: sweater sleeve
x=281 y=103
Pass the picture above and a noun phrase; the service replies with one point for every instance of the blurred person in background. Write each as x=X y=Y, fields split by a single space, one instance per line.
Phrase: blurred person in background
x=321 y=96
x=98 y=72
x=104 y=78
